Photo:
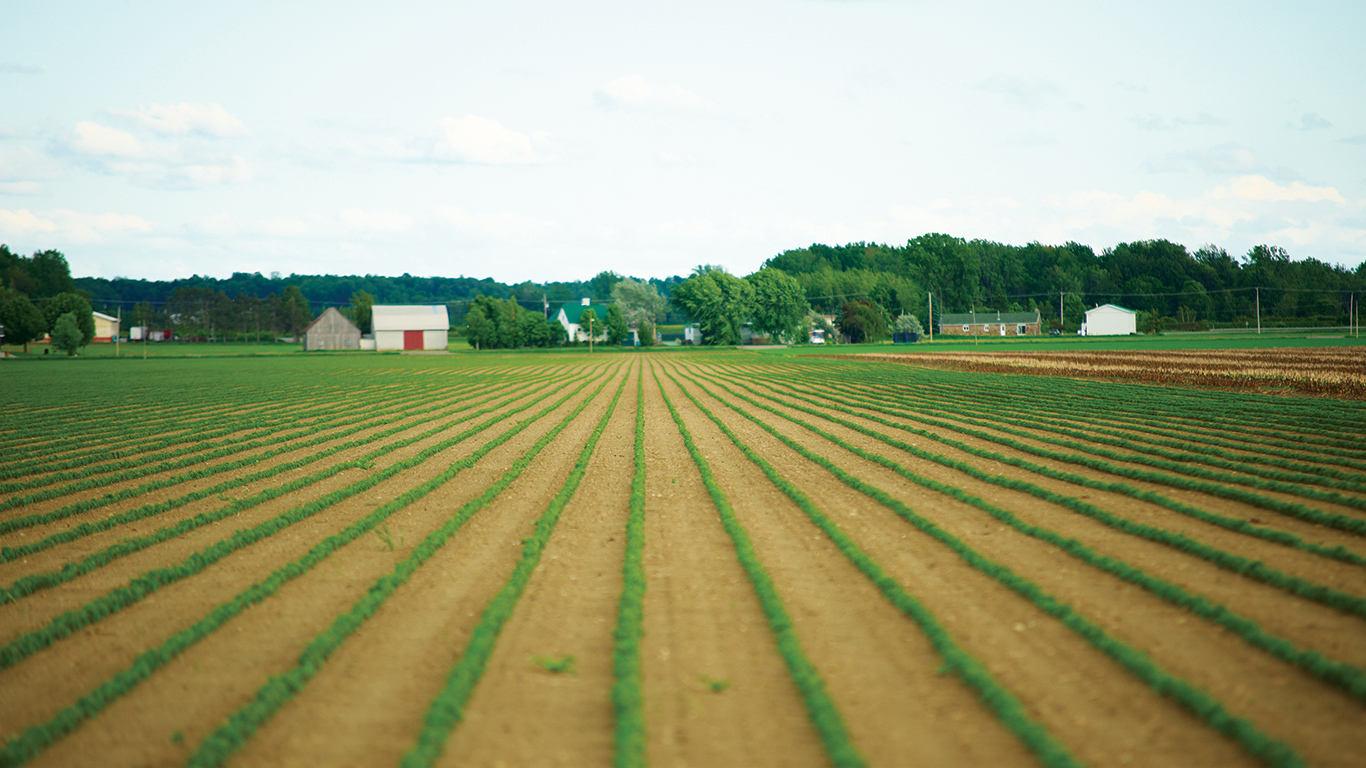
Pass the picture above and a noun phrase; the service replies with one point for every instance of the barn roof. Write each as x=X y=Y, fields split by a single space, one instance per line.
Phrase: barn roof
x=1111 y=307
x=328 y=312
x=410 y=317
x=987 y=316
x=103 y=316
x=572 y=312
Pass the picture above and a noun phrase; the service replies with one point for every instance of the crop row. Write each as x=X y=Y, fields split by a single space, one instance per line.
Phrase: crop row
x=1237 y=564
x=1347 y=677
x=628 y=698
x=36 y=738
x=1255 y=742
x=336 y=431
x=824 y=714
x=956 y=660
x=37 y=581
x=1039 y=416
x=149 y=582
x=1292 y=509
x=240 y=726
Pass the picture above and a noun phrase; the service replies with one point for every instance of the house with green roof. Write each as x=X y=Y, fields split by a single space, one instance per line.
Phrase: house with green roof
x=570 y=313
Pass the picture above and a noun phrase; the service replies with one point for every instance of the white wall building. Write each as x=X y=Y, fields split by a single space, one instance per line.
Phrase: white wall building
x=410 y=326
x=1109 y=320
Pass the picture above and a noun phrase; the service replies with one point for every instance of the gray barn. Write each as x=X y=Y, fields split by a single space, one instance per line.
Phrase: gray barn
x=331 y=331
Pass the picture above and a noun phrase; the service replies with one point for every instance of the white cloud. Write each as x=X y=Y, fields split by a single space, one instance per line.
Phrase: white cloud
x=1018 y=91
x=179 y=119
x=1154 y=122
x=381 y=221
x=1262 y=188
x=634 y=92
x=214 y=225
x=235 y=170
x=1223 y=159
x=102 y=141
x=1247 y=209
x=285 y=227
x=63 y=225
x=477 y=140
x=1310 y=122
x=493 y=227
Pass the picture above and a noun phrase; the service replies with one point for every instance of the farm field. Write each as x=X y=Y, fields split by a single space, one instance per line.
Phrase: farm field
x=672 y=559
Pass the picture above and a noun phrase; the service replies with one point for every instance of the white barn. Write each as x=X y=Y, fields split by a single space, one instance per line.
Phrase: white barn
x=1109 y=320
x=405 y=326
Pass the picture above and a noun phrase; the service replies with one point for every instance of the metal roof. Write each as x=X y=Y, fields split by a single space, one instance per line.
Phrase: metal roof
x=1111 y=306
x=987 y=316
x=410 y=317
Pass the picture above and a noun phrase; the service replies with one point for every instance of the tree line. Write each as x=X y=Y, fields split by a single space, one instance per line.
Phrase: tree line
x=1170 y=285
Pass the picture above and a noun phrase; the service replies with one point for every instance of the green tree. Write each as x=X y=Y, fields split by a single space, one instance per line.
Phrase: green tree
x=639 y=301
x=362 y=306
x=779 y=304
x=646 y=330
x=22 y=321
x=480 y=331
x=909 y=324
x=66 y=333
x=76 y=304
x=558 y=334
x=862 y=321
x=617 y=332
x=719 y=302
x=294 y=312
x=590 y=325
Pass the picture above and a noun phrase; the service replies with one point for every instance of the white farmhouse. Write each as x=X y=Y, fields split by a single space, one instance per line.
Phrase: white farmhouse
x=570 y=314
x=405 y=326
x=1109 y=320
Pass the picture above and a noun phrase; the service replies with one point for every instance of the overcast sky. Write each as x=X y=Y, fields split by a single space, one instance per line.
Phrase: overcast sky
x=551 y=140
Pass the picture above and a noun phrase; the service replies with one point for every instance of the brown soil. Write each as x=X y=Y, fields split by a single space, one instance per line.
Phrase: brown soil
x=702 y=618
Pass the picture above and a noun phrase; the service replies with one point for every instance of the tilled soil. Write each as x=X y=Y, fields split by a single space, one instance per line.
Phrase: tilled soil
x=716 y=690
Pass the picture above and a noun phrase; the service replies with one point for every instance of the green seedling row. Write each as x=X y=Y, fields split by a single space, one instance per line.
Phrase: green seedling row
x=824 y=714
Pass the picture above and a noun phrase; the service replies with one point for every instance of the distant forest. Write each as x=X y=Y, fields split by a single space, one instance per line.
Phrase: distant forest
x=1158 y=277
x=1173 y=288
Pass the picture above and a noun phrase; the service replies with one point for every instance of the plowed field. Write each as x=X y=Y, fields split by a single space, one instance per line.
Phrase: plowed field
x=678 y=559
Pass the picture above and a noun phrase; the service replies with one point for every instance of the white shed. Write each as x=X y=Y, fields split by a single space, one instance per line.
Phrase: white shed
x=1109 y=320
x=410 y=326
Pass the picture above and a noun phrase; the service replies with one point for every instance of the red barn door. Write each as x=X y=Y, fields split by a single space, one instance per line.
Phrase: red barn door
x=412 y=339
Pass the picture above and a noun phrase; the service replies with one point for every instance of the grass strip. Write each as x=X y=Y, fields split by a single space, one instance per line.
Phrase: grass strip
x=150 y=581
x=628 y=695
x=1344 y=676
x=1197 y=702
x=36 y=738
x=218 y=746
x=448 y=707
x=972 y=672
x=825 y=716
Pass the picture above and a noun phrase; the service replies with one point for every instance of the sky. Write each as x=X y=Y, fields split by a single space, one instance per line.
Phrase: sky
x=550 y=141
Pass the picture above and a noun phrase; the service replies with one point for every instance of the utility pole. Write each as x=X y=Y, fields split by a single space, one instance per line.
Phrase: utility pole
x=1259 y=309
x=974 y=325
x=118 y=329
x=930 y=319
x=1062 y=321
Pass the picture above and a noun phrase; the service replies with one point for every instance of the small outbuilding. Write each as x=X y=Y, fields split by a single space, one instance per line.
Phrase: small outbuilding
x=331 y=330
x=410 y=326
x=1109 y=320
x=106 y=327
